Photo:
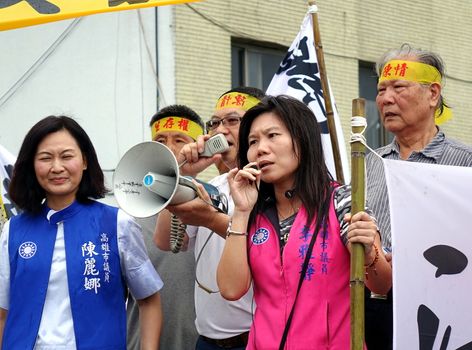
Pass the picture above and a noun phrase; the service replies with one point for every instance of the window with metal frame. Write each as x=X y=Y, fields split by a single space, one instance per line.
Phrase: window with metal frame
x=375 y=133
x=255 y=63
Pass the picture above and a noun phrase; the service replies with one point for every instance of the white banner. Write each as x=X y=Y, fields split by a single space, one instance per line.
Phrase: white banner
x=430 y=209
x=7 y=160
x=299 y=76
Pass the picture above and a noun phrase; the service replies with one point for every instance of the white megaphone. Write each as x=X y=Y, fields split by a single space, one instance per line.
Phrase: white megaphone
x=147 y=177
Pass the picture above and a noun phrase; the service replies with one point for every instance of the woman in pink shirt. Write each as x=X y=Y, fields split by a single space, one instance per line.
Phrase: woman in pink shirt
x=291 y=232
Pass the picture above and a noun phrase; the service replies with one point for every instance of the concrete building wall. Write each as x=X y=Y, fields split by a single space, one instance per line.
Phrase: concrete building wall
x=203 y=68
x=97 y=69
x=108 y=83
x=350 y=31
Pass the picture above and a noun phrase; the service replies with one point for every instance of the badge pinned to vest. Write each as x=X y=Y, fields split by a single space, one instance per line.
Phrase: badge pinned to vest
x=260 y=236
x=27 y=250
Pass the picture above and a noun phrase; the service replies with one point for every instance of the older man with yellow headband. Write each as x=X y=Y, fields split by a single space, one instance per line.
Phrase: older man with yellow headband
x=411 y=106
x=173 y=126
x=221 y=324
x=176 y=126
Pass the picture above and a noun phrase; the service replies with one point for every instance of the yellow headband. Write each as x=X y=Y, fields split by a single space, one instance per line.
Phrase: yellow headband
x=446 y=114
x=417 y=72
x=411 y=71
x=236 y=100
x=183 y=125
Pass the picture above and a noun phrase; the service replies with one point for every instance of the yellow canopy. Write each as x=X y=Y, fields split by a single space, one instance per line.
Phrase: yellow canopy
x=23 y=13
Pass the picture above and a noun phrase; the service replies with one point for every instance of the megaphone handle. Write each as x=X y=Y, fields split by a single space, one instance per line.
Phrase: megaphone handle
x=185 y=161
x=200 y=193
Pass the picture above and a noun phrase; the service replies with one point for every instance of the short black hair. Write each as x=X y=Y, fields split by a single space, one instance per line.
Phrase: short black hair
x=252 y=91
x=177 y=111
x=25 y=189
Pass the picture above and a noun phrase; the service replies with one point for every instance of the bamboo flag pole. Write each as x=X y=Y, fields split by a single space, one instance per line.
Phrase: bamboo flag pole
x=326 y=95
x=357 y=249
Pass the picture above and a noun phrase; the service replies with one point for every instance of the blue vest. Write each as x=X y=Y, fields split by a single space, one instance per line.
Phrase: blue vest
x=96 y=286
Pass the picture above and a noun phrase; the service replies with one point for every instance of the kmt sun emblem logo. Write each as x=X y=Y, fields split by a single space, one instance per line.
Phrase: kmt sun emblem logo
x=261 y=236
x=27 y=250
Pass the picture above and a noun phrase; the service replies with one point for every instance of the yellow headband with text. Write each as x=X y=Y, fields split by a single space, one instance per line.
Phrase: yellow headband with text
x=179 y=124
x=417 y=72
x=236 y=100
x=411 y=71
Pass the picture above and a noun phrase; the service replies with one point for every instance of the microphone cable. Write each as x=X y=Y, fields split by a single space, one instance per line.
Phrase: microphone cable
x=177 y=234
x=178 y=229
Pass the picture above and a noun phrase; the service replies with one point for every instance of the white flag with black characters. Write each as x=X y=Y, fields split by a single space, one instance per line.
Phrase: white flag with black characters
x=7 y=160
x=430 y=210
x=299 y=77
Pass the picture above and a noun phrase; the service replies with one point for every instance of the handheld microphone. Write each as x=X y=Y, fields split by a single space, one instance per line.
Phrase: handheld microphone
x=215 y=144
x=289 y=194
x=254 y=166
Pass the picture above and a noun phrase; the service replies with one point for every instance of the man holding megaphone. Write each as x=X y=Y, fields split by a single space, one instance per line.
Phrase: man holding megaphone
x=174 y=126
x=221 y=324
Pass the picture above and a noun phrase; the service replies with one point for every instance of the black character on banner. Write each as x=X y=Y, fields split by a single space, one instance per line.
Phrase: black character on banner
x=303 y=77
x=10 y=208
x=449 y=261
x=43 y=7
x=112 y=3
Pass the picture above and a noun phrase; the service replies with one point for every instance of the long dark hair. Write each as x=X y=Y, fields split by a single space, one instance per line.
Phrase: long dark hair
x=24 y=188
x=313 y=182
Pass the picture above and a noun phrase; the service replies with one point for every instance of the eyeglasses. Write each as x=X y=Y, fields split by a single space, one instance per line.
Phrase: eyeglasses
x=229 y=122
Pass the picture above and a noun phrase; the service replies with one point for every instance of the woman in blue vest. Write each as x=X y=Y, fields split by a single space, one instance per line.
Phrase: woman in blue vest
x=66 y=262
